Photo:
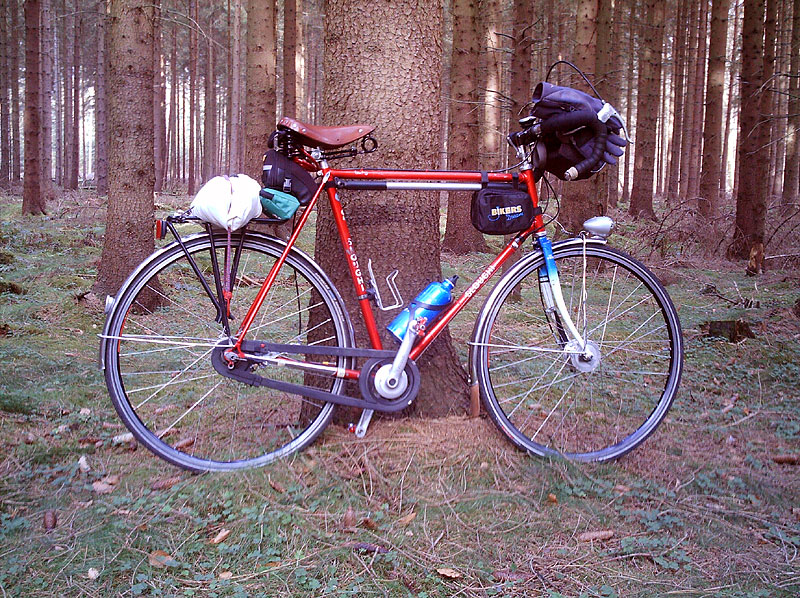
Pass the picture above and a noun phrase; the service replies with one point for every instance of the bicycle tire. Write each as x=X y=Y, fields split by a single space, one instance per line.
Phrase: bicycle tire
x=157 y=352
x=543 y=399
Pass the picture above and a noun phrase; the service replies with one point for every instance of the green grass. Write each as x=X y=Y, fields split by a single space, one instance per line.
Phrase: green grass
x=418 y=508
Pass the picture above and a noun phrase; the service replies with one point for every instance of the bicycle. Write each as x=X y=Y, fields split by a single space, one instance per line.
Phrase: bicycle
x=577 y=351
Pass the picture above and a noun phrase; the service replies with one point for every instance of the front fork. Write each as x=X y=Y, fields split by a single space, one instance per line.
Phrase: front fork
x=555 y=309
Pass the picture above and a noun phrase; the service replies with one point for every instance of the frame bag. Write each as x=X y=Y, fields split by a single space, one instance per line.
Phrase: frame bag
x=501 y=209
x=286 y=175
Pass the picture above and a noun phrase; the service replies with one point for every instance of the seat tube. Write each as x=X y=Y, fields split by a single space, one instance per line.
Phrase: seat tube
x=553 y=294
x=355 y=270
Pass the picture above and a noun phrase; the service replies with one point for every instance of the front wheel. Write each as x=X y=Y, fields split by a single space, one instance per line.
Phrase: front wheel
x=158 y=354
x=552 y=398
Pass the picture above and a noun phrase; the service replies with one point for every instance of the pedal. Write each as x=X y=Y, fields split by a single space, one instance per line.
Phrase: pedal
x=363 y=423
x=396 y=297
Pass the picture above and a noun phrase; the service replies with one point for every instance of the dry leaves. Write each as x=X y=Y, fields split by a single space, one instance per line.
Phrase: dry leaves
x=50 y=520
x=448 y=573
x=552 y=498
x=276 y=486
x=93 y=573
x=349 y=519
x=408 y=518
x=183 y=443
x=787 y=459
x=226 y=575
x=597 y=535
x=160 y=559
x=83 y=464
x=166 y=483
x=221 y=536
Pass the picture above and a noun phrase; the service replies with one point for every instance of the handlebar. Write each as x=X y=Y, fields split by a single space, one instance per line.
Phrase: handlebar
x=564 y=123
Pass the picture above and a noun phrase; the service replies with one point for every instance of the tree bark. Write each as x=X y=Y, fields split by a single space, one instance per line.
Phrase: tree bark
x=100 y=103
x=290 y=58
x=579 y=200
x=648 y=84
x=13 y=63
x=732 y=100
x=65 y=54
x=260 y=110
x=234 y=94
x=751 y=197
x=210 y=115
x=698 y=81
x=193 y=102
x=712 y=131
x=159 y=102
x=33 y=201
x=398 y=44
x=74 y=147
x=679 y=85
x=129 y=220
x=460 y=236
x=790 y=196
x=5 y=103
x=46 y=43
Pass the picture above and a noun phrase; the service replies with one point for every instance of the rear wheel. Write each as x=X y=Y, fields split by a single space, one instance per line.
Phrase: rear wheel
x=546 y=393
x=160 y=339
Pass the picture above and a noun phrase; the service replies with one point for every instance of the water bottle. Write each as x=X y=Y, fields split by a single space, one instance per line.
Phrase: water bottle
x=429 y=304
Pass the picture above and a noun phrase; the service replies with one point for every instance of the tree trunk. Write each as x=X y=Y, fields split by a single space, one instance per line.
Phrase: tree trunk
x=46 y=42
x=579 y=201
x=398 y=44
x=679 y=86
x=33 y=201
x=13 y=64
x=75 y=137
x=460 y=236
x=731 y=100
x=607 y=81
x=751 y=198
x=649 y=82
x=210 y=115
x=5 y=103
x=260 y=111
x=234 y=97
x=172 y=159
x=65 y=54
x=626 y=174
x=289 y=58
x=129 y=220
x=100 y=103
x=192 y=166
x=159 y=102
x=712 y=131
x=698 y=81
x=767 y=95
x=791 y=174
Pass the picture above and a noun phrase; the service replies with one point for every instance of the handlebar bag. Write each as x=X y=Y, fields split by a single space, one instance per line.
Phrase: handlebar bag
x=501 y=209
x=286 y=175
x=558 y=152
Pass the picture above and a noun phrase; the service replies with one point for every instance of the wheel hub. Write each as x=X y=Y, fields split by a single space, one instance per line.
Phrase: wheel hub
x=587 y=360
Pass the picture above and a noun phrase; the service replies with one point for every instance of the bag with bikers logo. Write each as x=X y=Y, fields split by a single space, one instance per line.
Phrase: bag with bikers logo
x=501 y=209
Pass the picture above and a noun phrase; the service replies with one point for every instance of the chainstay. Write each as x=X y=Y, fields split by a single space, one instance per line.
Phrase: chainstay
x=262 y=348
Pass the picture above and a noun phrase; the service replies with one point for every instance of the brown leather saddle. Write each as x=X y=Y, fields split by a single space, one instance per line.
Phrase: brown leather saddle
x=325 y=137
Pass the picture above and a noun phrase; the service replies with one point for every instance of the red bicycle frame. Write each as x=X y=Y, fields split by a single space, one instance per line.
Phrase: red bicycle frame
x=358 y=179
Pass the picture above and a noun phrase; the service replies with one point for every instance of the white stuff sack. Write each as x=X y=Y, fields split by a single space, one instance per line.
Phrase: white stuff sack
x=228 y=202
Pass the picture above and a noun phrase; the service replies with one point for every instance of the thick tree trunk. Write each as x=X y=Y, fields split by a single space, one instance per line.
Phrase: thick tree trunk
x=398 y=44
x=101 y=116
x=712 y=131
x=791 y=172
x=33 y=201
x=649 y=83
x=260 y=110
x=751 y=201
x=129 y=220
x=460 y=236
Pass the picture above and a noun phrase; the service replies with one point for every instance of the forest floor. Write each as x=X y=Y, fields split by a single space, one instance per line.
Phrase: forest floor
x=708 y=506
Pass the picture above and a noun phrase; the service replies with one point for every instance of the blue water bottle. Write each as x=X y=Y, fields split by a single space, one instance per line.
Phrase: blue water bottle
x=429 y=304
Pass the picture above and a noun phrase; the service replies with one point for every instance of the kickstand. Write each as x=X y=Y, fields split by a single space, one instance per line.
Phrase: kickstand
x=363 y=423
